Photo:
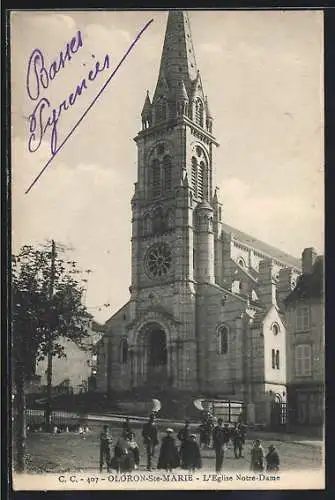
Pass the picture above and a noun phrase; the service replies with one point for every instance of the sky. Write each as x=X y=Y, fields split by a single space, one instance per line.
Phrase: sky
x=263 y=74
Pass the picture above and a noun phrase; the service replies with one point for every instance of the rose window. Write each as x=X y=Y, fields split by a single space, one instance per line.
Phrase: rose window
x=158 y=260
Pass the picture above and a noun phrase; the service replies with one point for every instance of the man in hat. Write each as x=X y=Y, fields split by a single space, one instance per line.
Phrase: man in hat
x=183 y=436
x=272 y=459
x=105 y=444
x=219 y=438
x=257 y=457
x=168 y=456
x=149 y=434
x=238 y=440
x=126 y=427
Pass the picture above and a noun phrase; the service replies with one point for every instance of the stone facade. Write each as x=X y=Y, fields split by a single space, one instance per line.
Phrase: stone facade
x=306 y=343
x=204 y=297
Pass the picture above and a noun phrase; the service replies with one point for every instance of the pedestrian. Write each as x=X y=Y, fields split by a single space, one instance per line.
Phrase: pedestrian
x=126 y=427
x=149 y=434
x=238 y=440
x=133 y=446
x=183 y=436
x=227 y=435
x=105 y=444
x=205 y=429
x=218 y=444
x=191 y=454
x=257 y=457
x=272 y=459
x=168 y=456
x=123 y=460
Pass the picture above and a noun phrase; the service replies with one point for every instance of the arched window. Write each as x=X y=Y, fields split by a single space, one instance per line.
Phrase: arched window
x=146 y=225
x=124 y=351
x=194 y=175
x=241 y=262
x=201 y=180
x=170 y=218
x=199 y=112
x=156 y=178
x=159 y=222
x=167 y=169
x=223 y=340
x=160 y=110
x=275 y=329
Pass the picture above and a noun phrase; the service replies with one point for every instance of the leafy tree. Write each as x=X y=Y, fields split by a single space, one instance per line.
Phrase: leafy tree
x=47 y=306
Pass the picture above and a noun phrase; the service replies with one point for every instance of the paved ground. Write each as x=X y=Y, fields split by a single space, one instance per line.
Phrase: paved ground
x=68 y=452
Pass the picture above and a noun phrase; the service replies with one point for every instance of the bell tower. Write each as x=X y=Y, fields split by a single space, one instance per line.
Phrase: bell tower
x=174 y=164
x=172 y=215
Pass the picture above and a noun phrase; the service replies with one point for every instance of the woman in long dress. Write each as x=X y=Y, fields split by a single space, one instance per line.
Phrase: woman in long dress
x=168 y=455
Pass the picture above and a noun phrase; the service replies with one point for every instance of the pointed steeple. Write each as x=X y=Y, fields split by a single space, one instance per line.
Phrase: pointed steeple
x=178 y=58
x=146 y=111
x=181 y=94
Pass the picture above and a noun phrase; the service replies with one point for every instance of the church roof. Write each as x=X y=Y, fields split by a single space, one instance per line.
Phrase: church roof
x=178 y=58
x=264 y=248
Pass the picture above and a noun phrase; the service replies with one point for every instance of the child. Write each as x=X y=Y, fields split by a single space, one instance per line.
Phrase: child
x=272 y=459
x=133 y=446
x=105 y=444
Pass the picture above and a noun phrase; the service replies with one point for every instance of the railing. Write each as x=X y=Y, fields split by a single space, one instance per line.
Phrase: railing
x=36 y=419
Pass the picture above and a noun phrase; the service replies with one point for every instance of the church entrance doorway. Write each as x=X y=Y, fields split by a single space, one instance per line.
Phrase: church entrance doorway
x=156 y=355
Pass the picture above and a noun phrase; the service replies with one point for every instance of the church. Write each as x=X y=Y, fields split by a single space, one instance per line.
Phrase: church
x=205 y=316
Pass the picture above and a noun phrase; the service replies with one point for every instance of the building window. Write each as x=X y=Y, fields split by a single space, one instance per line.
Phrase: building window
x=124 y=351
x=159 y=222
x=146 y=225
x=194 y=175
x=167 y=168
x=273 y=352
x=277 y=360
x=160 y=109
x=223 y=340
x=170 y=218
x=275 y=329
x=302 y=318
x=303 y=360
x=241 y=262
x=201 y=180
x=199 y=112
x=156 y=179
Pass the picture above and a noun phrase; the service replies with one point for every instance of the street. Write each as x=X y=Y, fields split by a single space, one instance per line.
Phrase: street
x=69 y=452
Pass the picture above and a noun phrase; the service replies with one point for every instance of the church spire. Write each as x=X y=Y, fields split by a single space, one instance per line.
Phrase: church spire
x=178 y=59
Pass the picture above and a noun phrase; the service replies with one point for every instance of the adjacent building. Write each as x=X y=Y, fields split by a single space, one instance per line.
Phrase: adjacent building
x=205 y=313
x=305 y=343
x=75 y=373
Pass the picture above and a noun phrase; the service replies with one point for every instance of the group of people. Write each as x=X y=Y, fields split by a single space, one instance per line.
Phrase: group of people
x=259 y=461
x=187 y=455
